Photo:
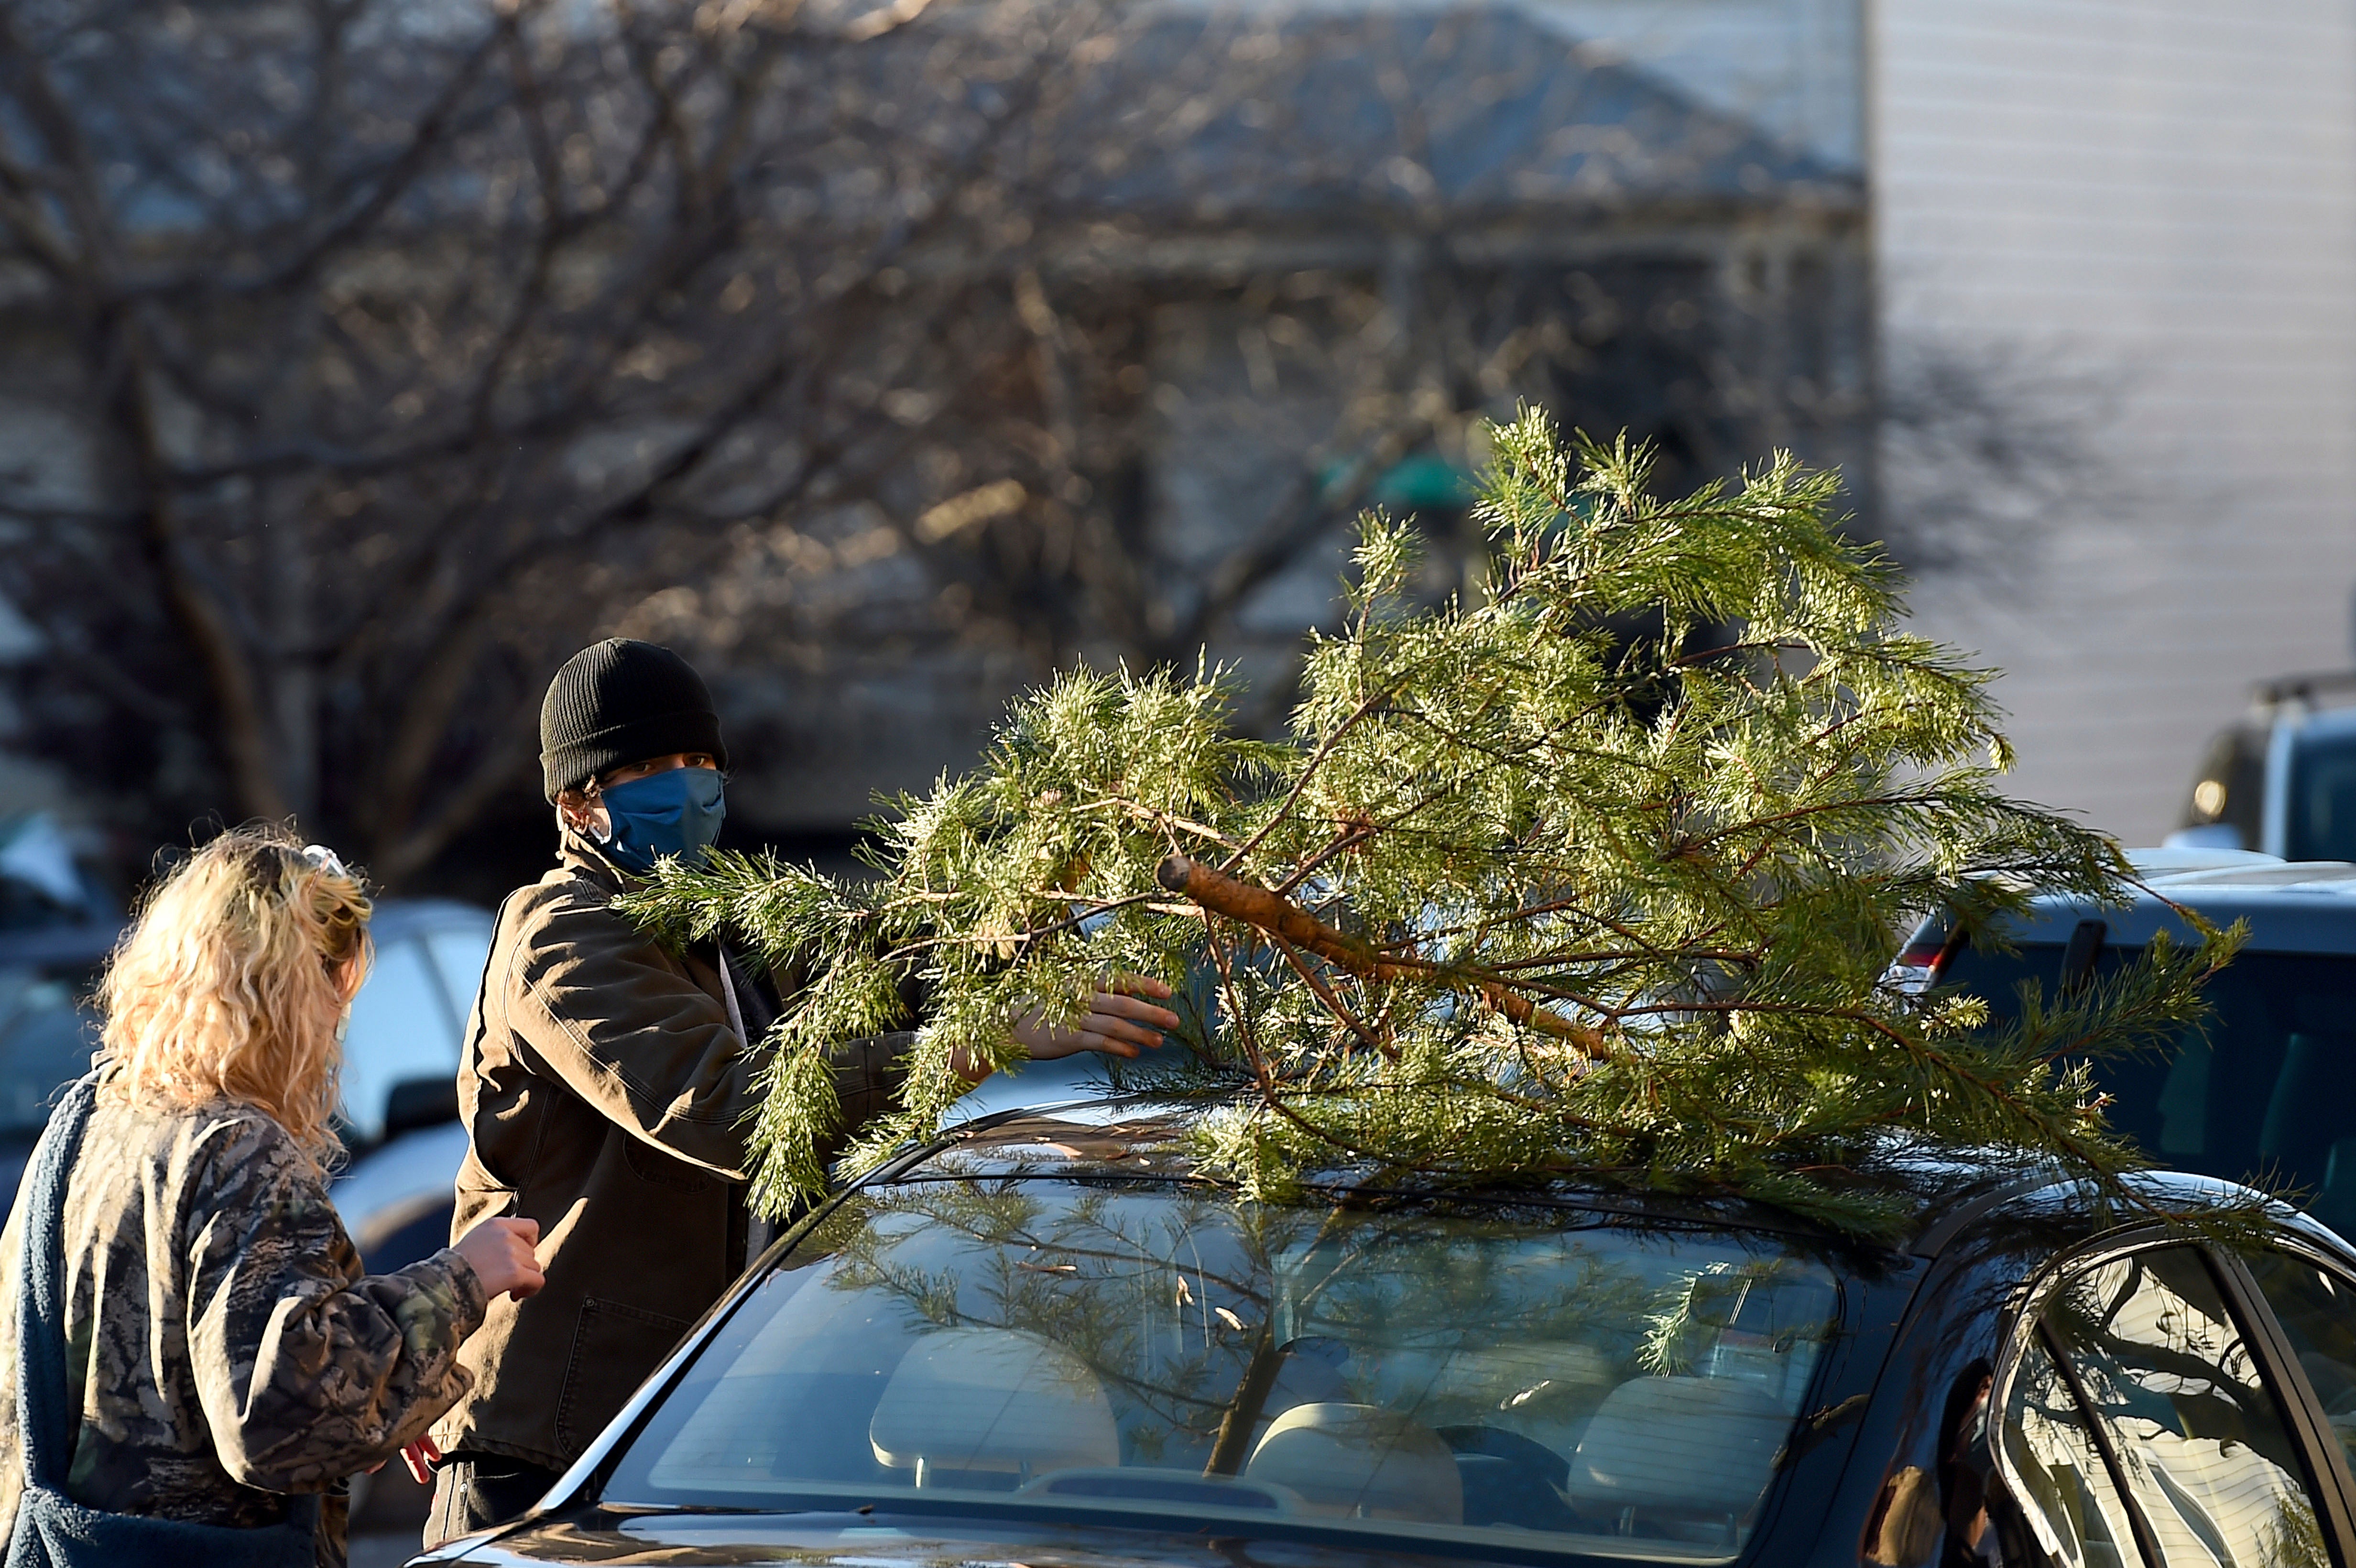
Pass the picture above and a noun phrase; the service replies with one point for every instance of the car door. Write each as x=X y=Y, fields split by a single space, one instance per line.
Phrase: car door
x=2155 y=1412
x=2311 y=1295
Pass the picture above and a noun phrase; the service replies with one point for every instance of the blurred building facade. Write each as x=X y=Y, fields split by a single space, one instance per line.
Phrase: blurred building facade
x=1648 y=218
x=2066 y=287
x=2130 y=227
x=2152 y=203
x=2111 y=297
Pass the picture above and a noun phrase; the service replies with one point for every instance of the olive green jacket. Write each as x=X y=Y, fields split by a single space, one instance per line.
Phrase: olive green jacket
x=605 y=1085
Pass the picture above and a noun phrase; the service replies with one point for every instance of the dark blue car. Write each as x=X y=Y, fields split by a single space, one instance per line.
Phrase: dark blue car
x=1044 y=1340
x=2268 y=1089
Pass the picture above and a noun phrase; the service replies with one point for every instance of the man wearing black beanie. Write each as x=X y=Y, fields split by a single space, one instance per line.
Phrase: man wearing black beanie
x=605 y=1083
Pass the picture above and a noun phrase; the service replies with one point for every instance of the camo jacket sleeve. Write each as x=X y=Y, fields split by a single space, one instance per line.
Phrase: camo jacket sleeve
x=305 y=1370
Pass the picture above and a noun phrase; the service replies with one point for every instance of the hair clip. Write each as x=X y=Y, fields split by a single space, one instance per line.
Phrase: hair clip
x=325 y=860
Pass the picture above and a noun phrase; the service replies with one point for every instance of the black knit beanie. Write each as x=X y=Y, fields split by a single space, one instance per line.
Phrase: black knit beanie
x=622 y=701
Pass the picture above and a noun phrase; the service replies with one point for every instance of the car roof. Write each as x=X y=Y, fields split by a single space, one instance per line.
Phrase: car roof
x=2292 y=906
x=394 y=919
x=2326 y=723
x=88 y=942
x=1950 y=1196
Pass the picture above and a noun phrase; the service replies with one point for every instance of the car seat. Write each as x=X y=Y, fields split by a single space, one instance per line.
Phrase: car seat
x=989 y=1408
x=1697 y=1444
x=1360 y=1461
x=2334 y=1201
x=2310 y=1104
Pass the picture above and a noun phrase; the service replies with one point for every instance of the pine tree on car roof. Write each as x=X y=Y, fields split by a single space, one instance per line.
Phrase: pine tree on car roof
x=1523 y=892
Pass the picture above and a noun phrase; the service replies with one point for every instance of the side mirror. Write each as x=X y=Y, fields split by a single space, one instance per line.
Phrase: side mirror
x=416 y=1102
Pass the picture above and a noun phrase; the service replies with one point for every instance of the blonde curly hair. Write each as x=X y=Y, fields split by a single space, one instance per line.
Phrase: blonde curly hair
x=234 y=982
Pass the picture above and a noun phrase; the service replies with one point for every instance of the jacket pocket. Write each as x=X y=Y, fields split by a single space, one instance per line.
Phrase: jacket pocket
x=615 y=1345
x=650 y=1163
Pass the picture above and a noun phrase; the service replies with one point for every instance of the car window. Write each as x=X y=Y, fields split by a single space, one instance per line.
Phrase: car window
x=459 y=952
x=1500 y=1377
x=2317 y=1310
x=2201 y=1442
x=401 y=1027
x=2067 y=1491
x=2322 y=821
x=47 y=1031
x=2268 y=1088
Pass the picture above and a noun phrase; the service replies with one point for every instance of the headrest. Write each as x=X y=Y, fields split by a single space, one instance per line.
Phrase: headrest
x=1361 y=1460
x=1704 y=1444
x=992 y=1403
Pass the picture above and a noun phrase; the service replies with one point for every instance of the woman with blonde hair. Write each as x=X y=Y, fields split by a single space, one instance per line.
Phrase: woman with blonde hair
x=191 y=1360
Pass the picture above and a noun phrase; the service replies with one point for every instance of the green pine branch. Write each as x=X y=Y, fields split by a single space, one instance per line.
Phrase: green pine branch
x=1524 y=892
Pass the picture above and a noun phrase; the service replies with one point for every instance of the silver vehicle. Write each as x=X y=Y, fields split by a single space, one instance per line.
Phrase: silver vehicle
x=2284 y=780
x=400 y=1079
x=400 y=1110
x=400 y=1053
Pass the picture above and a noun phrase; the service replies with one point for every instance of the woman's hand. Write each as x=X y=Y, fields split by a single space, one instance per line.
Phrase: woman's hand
x=421 y=1457
x=501 y=1252
x=1118 y=1024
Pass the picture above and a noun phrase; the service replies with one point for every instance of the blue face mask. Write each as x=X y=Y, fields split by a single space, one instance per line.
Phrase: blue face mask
x=675 y=813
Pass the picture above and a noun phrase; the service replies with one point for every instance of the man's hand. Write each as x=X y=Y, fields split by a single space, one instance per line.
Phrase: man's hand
x=421 y=1457
x=1119 y=1023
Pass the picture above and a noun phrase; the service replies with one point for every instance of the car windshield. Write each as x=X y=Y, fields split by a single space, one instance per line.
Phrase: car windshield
x=410 y=1015
x=1529 y=1376
x=2268 y=1088
x=2322 y=817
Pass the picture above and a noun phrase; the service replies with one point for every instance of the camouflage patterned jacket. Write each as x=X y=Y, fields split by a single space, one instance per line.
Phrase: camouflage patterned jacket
x=228 y=1350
